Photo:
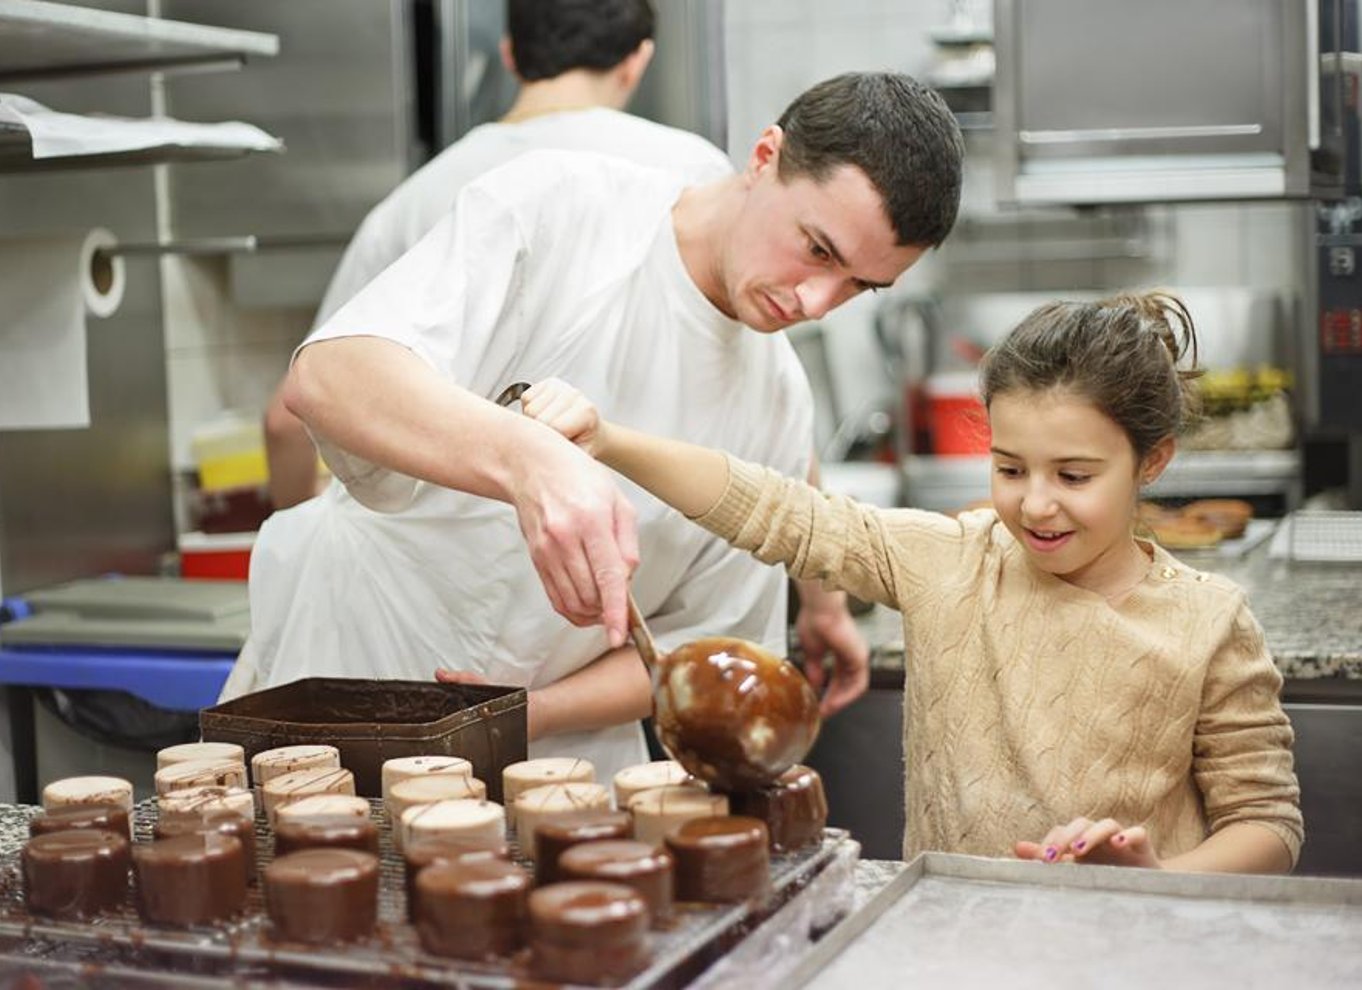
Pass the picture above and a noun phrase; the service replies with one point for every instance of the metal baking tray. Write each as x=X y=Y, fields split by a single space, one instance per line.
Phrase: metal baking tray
x=965 y=922
x=123 y=951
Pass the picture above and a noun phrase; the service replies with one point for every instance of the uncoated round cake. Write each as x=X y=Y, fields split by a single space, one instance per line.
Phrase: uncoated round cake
x=323 y=896
x=75 y=874
x=588 y=932
x=190 y=879
x=472 y=909
x=724 y=859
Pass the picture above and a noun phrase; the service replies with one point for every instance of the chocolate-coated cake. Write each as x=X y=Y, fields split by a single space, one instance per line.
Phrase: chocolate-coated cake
x=588 y=932
x=794 y=808
x=323 y=895
x=420 y=853
x=556 y=835
x=76 y=873
x=723 y=859
x=109 y=817
x=224 y=820
x=645 y=868
x=190 y=879
x=472 y=909
x=326 y=832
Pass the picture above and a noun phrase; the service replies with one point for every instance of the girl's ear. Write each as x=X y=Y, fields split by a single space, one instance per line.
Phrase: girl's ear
x=1156 y=460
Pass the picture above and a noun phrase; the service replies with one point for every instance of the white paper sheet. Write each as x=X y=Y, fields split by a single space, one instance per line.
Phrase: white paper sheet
x=59 y=135
x=47 y=289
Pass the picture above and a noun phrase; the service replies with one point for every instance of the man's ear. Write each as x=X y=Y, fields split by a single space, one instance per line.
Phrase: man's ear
x=765 y=153
x=507 y=55
x=633 y=67
x=1156 y=460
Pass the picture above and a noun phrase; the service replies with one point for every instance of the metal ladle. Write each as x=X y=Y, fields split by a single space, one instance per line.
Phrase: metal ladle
x=731 y=712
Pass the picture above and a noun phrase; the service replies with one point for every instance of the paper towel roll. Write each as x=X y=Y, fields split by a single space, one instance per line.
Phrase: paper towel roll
x=47 y=288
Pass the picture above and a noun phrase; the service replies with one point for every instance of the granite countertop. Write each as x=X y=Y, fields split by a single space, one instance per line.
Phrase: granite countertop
x=1311 y=614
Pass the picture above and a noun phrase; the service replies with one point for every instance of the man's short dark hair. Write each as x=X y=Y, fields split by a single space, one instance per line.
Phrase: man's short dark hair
x=549 y=37
x=894 y=129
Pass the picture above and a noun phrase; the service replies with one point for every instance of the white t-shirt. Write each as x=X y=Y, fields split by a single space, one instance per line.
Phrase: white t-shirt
x=409 y=211
x=556 y=264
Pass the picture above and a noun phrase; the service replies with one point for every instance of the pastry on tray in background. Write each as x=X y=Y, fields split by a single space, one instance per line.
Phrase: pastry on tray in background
x=1229 y=515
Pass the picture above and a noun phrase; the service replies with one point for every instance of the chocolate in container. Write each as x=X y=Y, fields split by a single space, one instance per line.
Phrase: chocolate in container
x=371 y=721
x=732 y=713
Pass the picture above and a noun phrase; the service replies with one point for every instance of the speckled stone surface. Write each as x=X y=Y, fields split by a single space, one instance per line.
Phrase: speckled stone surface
x=1311 y=615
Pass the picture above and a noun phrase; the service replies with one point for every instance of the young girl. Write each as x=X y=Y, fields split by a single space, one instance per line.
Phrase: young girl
x=1073 y=692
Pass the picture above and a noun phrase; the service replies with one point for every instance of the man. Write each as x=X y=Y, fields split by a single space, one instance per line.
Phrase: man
x=579 y=63
x=641 y=291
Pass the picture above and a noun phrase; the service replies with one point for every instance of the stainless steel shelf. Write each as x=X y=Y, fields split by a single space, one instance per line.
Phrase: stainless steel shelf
x=947 y=483
x=42 y=40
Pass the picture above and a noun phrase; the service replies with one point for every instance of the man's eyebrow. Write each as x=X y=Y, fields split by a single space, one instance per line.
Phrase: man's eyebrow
x=820 y=235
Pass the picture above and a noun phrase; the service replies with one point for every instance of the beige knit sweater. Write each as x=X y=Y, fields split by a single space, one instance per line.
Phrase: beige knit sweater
x=1029 y=701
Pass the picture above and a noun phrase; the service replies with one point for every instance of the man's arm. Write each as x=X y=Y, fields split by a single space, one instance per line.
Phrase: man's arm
x=292 y=457
x=611 y=690
x=378 y=400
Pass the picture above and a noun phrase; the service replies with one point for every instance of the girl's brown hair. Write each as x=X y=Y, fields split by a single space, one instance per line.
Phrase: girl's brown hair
x=1121 y=354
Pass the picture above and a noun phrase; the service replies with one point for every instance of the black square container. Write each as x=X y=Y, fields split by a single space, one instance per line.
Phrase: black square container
x=370 y=721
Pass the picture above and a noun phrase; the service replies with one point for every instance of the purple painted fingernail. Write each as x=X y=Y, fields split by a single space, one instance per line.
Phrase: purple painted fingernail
x=1050 y=853
x=1080 y=845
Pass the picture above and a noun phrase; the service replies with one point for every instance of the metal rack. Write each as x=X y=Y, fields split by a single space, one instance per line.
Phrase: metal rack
x=222 y=956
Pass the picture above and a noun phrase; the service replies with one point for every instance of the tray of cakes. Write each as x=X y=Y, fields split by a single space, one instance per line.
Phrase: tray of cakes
x=276 y=870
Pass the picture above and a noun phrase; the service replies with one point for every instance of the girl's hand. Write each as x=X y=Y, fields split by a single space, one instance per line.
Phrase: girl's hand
x=1107 y=843
x=557 y=404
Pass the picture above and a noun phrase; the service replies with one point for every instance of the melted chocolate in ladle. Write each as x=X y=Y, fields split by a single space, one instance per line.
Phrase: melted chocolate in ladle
x=729 y=711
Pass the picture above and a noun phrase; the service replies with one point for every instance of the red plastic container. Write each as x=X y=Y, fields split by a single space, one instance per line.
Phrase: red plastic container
x=219 y=556
x=956 y=418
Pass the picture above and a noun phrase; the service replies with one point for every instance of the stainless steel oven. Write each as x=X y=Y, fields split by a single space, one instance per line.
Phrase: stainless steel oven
x=1107 y=101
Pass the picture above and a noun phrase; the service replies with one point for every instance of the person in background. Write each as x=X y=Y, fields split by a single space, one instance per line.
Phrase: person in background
x=665 y=299
x=1073 y=692
x=578 y=63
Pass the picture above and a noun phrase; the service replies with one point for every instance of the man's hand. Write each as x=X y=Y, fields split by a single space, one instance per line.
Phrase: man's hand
x=824 y=625
x=582 y=536
x=1106 y=843
x=446 y=676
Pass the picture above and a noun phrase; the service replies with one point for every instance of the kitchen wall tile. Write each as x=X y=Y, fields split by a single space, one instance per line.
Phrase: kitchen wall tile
x=1207 y=245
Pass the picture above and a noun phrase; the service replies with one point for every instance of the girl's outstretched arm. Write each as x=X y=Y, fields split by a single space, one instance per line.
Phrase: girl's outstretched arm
x=689 y=478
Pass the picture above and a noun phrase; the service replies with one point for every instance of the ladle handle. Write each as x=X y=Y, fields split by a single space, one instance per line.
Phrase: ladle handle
x=642 y=638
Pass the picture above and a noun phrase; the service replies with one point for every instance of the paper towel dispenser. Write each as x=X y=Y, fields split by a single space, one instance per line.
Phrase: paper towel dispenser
x=1107 y=101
